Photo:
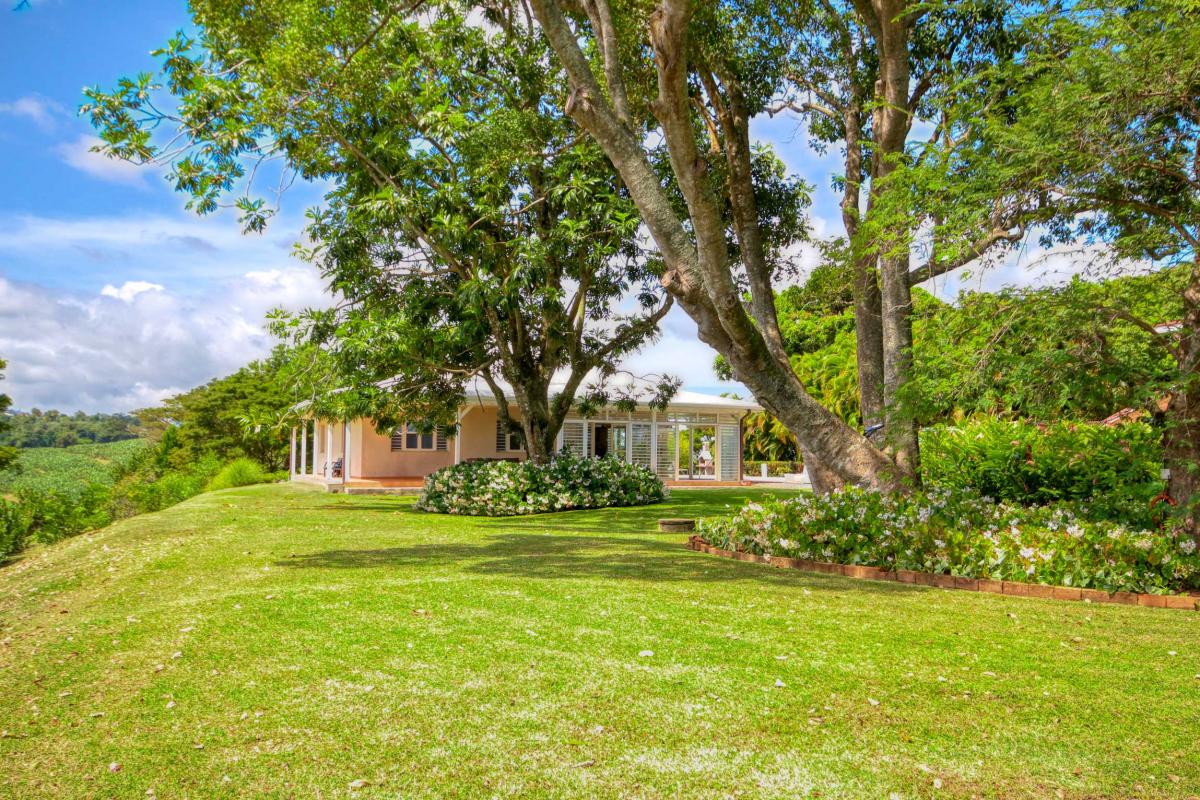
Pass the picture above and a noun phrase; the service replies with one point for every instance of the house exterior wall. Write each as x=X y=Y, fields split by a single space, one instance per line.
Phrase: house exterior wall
x=478 y=431
x=371 y=456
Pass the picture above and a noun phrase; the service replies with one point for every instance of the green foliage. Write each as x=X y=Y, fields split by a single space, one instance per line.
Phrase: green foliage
x=765 y=438
x=830 y=375
x=1070 y=351
x=959 y=533
x=171 y=487
x=39 y=428
x=67 y=471
x=1115 y=468
x=1045 y=354
x=774 y=468
x=13 y=529
x=7 y=454
x=239 y=472
x=507 y=488
x=62 y=492
x=467 y=227
x=248 y=413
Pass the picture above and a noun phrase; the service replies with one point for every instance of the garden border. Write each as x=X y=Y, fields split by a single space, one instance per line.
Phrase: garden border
x=1184 y=602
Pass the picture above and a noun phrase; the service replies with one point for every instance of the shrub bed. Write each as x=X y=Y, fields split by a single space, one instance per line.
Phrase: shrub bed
x=508 y=488
x=1115 y=468
x=965 y=535
x=775 y=469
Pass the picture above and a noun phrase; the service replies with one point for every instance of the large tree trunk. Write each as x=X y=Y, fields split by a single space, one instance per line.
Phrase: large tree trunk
x=868 y=330
x=697 y=269
x=892 y=120
x=823 y=479
x=902 y=439
x=867 y=302
x=1181 y=439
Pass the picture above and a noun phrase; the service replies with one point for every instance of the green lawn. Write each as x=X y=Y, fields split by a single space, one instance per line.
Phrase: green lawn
x=279 y=642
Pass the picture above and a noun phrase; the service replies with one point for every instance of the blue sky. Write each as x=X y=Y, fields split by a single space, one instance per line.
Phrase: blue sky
x=112 y=296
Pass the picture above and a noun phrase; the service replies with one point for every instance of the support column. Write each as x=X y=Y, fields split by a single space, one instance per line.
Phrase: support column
x=345 y=452
x=304 y=449
x=458 y=418
x=316 y=448
x=292 y=454
x=654 y=441
x=328 y=462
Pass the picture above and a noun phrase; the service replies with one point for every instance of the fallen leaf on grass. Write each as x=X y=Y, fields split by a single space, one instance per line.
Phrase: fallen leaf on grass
x=114 y=767
x=872 y=701
x=646 y=653
x=358 y=784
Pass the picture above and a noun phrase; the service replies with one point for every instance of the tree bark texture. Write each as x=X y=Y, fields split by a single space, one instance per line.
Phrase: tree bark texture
x=698 y=272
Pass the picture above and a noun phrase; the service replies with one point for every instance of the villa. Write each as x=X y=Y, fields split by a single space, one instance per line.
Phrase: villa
x=351 y=456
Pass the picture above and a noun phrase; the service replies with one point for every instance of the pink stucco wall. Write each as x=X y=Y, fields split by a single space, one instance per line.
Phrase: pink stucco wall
x=371 y=454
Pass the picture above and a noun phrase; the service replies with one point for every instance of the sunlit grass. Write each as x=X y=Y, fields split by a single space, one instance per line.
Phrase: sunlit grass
x=273 y=641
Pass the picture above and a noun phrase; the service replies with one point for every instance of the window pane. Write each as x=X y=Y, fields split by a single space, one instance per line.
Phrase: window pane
x=426 y=441
x=410 y=441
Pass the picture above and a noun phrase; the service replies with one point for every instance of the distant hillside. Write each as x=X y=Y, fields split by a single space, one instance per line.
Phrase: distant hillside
x=39 y=428
x=70 y=469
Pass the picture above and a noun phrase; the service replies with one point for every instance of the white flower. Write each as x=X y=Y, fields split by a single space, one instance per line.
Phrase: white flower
x=1188 y=546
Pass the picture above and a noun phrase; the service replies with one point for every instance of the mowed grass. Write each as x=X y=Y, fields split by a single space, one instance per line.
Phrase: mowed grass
x=279 y=642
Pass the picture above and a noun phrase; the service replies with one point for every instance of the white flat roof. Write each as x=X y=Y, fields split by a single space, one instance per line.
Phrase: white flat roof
x=683 y=398
x=479 y=390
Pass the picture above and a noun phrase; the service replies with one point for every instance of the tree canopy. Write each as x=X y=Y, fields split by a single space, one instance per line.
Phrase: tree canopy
x=469 y=232
x=248 y=413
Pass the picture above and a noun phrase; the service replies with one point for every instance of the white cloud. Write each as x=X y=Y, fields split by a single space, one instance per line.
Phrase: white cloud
x=130 y=289
x=79 y=154
x=42 y=111
x=177 y=249
x=134 y=343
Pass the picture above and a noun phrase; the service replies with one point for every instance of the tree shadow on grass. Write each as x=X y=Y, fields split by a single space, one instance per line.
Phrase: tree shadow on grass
x=558 y=556
x=690 y=503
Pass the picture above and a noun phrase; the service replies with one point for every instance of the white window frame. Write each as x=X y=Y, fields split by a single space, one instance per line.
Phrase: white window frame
x=407 y=429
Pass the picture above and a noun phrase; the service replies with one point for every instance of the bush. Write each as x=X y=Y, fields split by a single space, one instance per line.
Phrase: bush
x=1115 y=468
x=775 y=469
x=239 y=472
x=168 y=488
x=960 y=534
x=13 y=528
x=507 y=488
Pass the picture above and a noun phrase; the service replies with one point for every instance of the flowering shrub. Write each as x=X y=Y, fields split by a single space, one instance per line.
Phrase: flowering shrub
x=507 y=488
x=960 y=534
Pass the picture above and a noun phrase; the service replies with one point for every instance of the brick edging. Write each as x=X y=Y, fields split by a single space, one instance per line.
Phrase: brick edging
x=1011 y=588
